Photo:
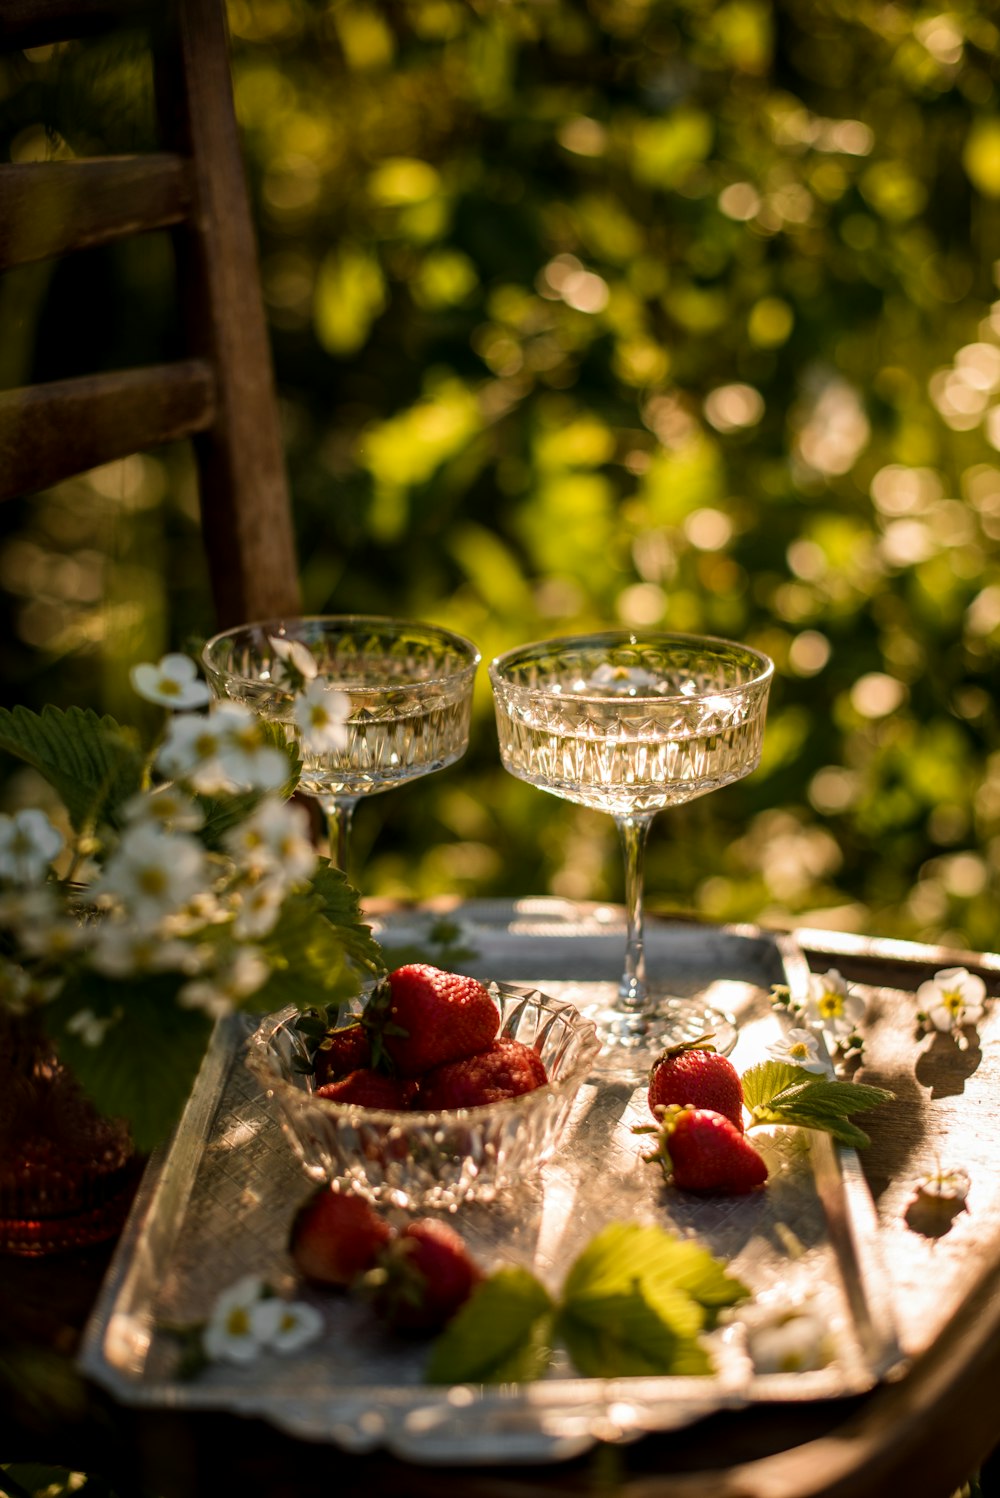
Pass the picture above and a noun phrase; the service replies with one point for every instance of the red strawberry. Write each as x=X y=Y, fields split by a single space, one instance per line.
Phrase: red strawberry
x=370 y=1089
x=422 y=1277
x=694 y=1073
x=505 y=1069
x=420 y=1016
x=702 y=1151
x=335 y=1237
x=341 y=1051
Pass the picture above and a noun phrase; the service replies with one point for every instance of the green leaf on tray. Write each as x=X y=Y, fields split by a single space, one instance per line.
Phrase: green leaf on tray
x=503 y=1334
x=622 y=1336
x=778 y=1093
x=675 y=1274
x=93 y=763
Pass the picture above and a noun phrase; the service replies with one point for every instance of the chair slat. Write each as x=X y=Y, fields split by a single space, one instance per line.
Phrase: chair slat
x=53 y=207
x=50 y=432
x=36 y=23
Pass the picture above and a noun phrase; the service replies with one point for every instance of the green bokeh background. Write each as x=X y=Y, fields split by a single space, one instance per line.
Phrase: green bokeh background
x=681 y=315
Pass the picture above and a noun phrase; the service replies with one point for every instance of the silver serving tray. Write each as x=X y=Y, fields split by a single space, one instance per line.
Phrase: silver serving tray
x=217 y=1205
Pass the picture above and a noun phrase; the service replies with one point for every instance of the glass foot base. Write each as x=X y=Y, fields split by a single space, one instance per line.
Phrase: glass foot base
x=632 y=1042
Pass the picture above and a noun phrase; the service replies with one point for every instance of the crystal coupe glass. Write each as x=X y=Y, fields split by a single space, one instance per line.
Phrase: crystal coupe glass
x=629 y=723
x=402 y=689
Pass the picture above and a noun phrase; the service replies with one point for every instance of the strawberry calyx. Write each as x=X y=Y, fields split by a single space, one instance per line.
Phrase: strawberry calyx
x=377 y=1022
x=703 y=1043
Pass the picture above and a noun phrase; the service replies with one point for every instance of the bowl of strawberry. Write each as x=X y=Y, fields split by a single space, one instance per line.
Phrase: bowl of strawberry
x=433 y=1090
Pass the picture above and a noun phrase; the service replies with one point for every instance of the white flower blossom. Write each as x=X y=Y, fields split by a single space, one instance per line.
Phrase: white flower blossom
x=831 y=1007
x=153 y=873
x=952 y=999
x=321 y=713
x=173 y=683
x=257 y=908
x=286 y=1326
x=28 y=844
x=220 y=994
x=800 y=1048
x=292 y=654
x=168 y=807
x=245 y=1320
x=793 y=1341
x=190 y=752
x=90 y=1027
x=274 y=840
x=232 y=1333
x=250 y=762
x=626 y=680
x=122 y=949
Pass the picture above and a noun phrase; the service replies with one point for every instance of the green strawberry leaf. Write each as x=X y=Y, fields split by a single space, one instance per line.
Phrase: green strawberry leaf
x=93 y=763
x=778 y=1093
x=763 y=1082
x=125 y=1075
x=339 y=903
x=503 y=1334
x=839 y=1128
x=680 y=1279
x=622 y=1336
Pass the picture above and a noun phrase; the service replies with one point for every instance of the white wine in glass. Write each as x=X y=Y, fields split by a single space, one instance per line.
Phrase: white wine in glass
x=399 y=695
x=629 y=723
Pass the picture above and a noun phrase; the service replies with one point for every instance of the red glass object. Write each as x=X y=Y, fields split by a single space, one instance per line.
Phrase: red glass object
x=67 y=1174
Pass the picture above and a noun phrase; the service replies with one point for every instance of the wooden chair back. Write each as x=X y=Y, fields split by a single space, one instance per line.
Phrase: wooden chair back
x=221 y=394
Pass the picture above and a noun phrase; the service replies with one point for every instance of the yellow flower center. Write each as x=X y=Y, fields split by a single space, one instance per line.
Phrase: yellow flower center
x=168 y=687
x=831 y=1005
x=152 y=881
x=952 y=1001
x=799 y=1050
x=238 y=1322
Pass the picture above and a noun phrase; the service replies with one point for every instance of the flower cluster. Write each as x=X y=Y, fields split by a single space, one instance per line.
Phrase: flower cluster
x=829 y=1009
x=184 y=864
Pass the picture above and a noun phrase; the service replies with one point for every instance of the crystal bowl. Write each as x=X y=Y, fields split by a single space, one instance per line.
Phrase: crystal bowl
x=422 y=1160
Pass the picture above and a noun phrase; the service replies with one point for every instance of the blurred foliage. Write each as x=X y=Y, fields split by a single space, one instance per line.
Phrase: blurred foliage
x=677 y=313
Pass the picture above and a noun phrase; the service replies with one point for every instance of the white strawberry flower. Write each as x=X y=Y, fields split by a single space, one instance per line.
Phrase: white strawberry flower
x=219 y=995
x=799 y=1048
x=122 y=949
x=295 y=660
x=286 y=1326
x=190 y=752
x=232 y=1334
x=791 y=1341
x=628 y=681
x=28 y=844
x=168 y=807
x=320 y=713
x=257 y=908
x=274 y=839
x=90 y=1027
x=152 y=873
x=246 y=756
x=173 y=683
x=831 y=1007
x=951 y=999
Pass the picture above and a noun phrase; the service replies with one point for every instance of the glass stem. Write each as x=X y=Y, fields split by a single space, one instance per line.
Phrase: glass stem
x=339 y=816
x=632 y=988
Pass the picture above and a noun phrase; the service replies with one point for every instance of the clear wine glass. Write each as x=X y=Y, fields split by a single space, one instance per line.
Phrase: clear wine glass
x=402 y=695
x=628 y=723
